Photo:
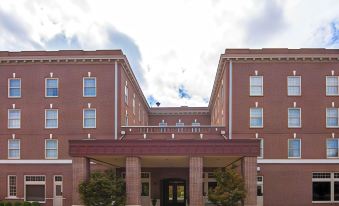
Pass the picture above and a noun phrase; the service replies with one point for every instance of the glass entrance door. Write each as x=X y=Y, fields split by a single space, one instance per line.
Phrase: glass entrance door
x=174 y=192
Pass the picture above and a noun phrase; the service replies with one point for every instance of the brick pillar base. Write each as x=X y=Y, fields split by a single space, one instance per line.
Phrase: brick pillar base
x=133 y=181
x=249 y=165
x=196 y=172
x=80 y=173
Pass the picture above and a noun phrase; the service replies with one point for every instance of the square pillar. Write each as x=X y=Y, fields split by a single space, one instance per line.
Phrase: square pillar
x=133 y=181
x=81 y=170
x=249 y=168
x=196 y=180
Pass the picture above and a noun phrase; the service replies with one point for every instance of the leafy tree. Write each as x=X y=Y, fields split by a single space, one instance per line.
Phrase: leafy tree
x=102 y=189
x=230 y=189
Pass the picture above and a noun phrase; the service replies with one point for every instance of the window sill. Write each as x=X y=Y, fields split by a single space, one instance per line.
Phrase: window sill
x=14 y=97
x=14 y=198
x=293 y=157
x=324 y=202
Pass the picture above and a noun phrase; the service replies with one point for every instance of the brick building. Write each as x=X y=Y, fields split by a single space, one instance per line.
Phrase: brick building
x=274 y=112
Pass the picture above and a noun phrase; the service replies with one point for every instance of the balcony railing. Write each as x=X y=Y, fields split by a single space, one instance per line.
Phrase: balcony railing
x=172 y=132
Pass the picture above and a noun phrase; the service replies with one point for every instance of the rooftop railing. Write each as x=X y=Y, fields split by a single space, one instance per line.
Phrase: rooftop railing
x=173 y=132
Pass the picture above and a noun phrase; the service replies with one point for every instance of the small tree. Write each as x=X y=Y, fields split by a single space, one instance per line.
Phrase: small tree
x=230 y=189
x=103 y=189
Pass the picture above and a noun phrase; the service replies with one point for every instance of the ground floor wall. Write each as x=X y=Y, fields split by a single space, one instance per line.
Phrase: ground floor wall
x=291 y=184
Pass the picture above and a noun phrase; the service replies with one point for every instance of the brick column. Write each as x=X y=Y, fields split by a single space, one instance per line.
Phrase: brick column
x=80 y=173
x=196 y=173
x=249 y=169
x=133 y=181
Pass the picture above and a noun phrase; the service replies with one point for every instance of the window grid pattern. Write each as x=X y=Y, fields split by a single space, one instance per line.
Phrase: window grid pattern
x=14 y=118
x=261 y=155
x=256 y=86
x=89 y=118
x=332 y=85
x=35 y=178
x=51 y=118
x=294 y=117
x=14 y=149
x=90 y=88
x=256 y=117
x=52 y=87
x=14 y=89
x=12 y=190
x=294 y=147
x=321 y=175
x=332 y=117
x=332 y=147
x=294 y=86
x=51 y=150
x=126 y=94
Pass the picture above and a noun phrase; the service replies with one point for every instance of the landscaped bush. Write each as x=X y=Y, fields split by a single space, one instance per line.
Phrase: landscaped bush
x=8 y=204
x=2 y=204
x=18 y=204
x=27 y=204
x=35 y=204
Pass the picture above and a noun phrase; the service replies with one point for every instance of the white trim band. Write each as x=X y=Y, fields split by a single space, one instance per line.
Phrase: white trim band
x=35 y=161
x=298 y=161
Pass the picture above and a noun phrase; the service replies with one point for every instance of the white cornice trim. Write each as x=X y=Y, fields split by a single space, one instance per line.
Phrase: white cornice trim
x=35 y=161
x=298 y=161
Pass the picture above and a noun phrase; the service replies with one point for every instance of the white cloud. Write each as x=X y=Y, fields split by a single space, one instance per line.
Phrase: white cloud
x=169 y=43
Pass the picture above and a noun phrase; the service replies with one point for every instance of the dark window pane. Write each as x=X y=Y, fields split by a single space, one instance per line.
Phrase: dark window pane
x=35 y=193
x=336 y=191
x=259 y=190
x=321 y=191
x=144 y=189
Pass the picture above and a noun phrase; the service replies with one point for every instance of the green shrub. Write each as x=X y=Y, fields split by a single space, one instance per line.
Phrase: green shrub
x=35 y=204
x=8 y=204
x=27 y=204
x=2 y=204
x=18 y=204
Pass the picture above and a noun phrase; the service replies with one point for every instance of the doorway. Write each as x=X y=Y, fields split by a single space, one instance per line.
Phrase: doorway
x=174 y=192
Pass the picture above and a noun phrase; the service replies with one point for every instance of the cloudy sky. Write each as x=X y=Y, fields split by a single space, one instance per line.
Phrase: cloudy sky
x=174 y=45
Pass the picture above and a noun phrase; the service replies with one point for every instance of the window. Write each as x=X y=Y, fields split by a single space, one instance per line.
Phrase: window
x=256 y=117
x=332 y=147
x=332 y=84
x=139 y=113
x=294 y=147
x=332 y=117
x=14 y=149
x=294 y=117
x=126 y=118
x=133 y=105
x=14 y=88
x=51 y=118
x=294 y=86
x=126 y=94
x=90 y=86
x=89 y=118
x=14 y=118
x=325 y=187
x=11 y=186
x=51 y=149
x=35 y=188
x=261 y=148
x=260 y=186
x=256 y=86
x=52 y=87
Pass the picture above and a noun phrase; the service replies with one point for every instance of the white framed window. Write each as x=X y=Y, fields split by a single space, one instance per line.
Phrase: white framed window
x=332 y=149
x=14 y=119
x=261 y=155
x=126 y=93
x=325 y=187
x=12 y=187
x=126 y=118
x=51 y=118
x=294 y=85
x=14 y=88
x=256 y=86
x=256 y=117
x=89 y=116
x=139 y=113
x=294 y=117
x=52 y=87
x=332 y=117
x=332 y=84
x=163 y=125
x=260 y=186
x=35 y=188
x=133 y=105
x=294 y=148
x=89 y=86
x=13 y=149
x=51 y=149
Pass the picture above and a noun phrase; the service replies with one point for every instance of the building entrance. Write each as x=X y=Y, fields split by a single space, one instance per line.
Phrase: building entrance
x=174 y=192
